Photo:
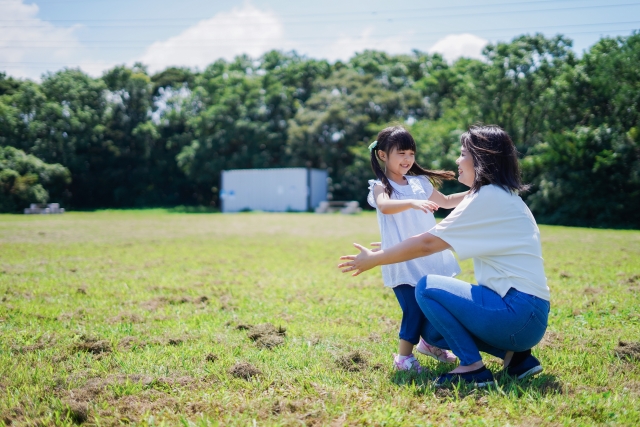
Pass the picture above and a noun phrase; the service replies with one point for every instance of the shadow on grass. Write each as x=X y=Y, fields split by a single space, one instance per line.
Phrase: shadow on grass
x=537 y=387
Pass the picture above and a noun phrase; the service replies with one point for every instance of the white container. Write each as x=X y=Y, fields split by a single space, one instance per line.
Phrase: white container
x=273 y=190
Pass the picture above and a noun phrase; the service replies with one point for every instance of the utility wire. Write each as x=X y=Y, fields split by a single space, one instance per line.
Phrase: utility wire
x=413 y=17
x=203 y=41
x=374 y=12
x=318 y=43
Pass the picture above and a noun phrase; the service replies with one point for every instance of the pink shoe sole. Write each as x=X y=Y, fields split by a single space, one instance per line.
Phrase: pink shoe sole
x=439 y=354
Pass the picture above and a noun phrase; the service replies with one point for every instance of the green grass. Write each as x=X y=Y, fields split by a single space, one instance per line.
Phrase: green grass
x=137 y=317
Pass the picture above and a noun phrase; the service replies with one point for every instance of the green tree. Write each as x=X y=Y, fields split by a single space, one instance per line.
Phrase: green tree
x=25 y=179
x=515 y=87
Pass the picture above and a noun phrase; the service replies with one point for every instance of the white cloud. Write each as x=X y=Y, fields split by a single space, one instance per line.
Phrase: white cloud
x=455 y=46
x=28 y=45
x=346 y=46
x=225 y=35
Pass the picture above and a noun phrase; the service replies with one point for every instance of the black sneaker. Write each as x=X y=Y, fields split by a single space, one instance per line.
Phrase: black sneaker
x=526 y=368
x=480 y=378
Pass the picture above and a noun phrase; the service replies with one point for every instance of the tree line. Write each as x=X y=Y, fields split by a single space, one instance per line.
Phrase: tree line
x=131 y=139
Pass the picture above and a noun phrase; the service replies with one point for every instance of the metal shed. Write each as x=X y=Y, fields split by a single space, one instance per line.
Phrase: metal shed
x=273 y=190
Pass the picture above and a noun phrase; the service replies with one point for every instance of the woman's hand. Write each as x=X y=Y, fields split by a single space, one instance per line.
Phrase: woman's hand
x=360 y=263
x=425 y=206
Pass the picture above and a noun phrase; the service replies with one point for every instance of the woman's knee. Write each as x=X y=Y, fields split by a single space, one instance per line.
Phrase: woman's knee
x=424 y=292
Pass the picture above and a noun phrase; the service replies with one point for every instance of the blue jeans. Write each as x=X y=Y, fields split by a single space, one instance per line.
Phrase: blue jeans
x=468 y=319
x=412 y=316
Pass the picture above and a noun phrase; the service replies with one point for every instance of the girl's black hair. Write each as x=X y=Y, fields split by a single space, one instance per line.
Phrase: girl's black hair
x=399 y=138
x=495 y=158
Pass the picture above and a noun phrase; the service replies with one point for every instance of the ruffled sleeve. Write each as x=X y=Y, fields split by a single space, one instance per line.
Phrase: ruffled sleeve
x=370 y=199
x=427 y=186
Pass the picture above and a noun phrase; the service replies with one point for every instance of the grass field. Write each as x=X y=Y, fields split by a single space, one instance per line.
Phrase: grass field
x=154 y=318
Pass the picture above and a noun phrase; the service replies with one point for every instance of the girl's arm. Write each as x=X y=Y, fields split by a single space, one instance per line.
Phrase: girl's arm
x=447 y=202
x=389 y=207
x=414 y=247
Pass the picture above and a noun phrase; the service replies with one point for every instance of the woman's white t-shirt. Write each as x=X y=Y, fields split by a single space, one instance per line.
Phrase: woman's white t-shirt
x=395 y=228
x=497 y=230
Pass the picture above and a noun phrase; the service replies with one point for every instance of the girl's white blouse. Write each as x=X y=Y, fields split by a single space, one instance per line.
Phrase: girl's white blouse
x=397 y=227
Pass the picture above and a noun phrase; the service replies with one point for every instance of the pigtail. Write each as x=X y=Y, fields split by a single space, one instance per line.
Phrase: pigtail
x=436 y=177
x=375 y=165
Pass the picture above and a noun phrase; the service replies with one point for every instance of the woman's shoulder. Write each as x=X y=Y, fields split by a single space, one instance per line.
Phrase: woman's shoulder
x=495 y=192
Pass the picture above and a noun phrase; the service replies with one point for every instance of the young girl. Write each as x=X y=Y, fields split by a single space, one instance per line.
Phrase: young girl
x=405 y=198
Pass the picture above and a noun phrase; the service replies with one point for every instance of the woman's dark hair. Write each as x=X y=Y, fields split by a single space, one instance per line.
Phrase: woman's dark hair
x=399 y=138
x=495 y=158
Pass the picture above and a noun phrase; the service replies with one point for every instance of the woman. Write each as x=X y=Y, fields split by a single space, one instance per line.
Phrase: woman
x=507 y=313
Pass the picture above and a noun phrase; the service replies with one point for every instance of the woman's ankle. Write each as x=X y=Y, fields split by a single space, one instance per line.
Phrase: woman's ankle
x=468 y=368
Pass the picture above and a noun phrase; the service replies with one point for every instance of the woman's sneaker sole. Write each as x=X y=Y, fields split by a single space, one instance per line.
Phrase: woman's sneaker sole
x=528 y=367
x=531 y=372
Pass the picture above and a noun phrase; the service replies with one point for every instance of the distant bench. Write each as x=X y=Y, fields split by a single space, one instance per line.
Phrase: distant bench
x=43 y=208
x=346 y=207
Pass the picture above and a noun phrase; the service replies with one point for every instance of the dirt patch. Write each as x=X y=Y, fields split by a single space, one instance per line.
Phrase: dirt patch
x=93 y=345
x=82 y=290
x=353 y=362
x=125 y=317
x=78 y=315
x=14 y=414
x=129 y=409
x=270 y=341
x=175 y=341
x=129 y=342
x=592 y=291
x=550 y=339
x=39 y=345
x=244 y=370
x=628 y=350
x=551 y=386
x=159 y=302
x=258 y=331
x=226 y=303
x=243 y=326
x=266 y=335
x=211 y=357
x=374 y=337
x=564 y=275
x=77 y=412
x=154 y=304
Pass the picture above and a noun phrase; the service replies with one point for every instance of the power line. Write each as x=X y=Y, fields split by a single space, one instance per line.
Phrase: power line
x=478 y=5
x=413 y=17
x=47 y=63
x=143 y=43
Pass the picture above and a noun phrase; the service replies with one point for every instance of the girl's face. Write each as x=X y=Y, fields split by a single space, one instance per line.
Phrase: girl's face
x=398 y=161
x=466 y=172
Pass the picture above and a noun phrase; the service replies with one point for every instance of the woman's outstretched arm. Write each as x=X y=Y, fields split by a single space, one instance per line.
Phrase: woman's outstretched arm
x=414 y=247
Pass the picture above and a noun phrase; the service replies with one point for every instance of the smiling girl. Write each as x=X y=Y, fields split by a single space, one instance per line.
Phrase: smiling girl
x=405 y=199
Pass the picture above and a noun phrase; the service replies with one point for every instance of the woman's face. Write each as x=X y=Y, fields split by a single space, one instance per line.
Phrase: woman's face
x=466 y=172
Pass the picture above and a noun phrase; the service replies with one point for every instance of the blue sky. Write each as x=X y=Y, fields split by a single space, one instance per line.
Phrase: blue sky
x=47 y=35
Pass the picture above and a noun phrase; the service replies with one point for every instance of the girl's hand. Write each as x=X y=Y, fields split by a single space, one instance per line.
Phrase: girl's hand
x=358 y=263
x=425 y=206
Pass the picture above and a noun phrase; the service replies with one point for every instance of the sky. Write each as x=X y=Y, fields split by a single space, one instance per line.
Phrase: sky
x=39 y=36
